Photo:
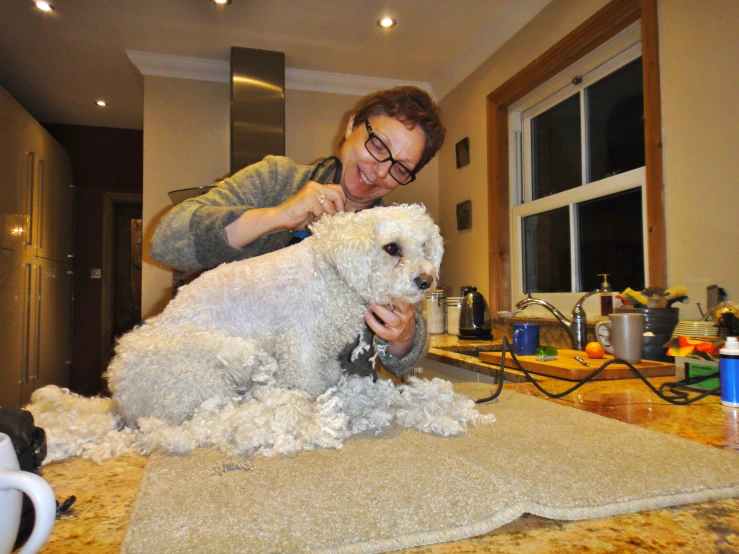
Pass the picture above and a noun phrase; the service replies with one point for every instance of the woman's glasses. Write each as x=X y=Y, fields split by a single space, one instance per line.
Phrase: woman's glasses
x=381 y=153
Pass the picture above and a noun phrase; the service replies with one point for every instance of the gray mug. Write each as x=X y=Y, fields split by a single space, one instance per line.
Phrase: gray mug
x=624 y=338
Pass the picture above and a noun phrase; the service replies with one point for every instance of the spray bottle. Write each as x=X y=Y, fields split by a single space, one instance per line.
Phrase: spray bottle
x=606 y=296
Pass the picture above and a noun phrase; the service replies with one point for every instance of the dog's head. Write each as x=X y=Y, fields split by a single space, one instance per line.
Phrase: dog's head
x=386 y=255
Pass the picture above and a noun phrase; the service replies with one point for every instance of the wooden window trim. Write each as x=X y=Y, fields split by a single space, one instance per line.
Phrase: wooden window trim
x=606 y=23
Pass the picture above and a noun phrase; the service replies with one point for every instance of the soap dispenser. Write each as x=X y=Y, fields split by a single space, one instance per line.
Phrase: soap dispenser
x=606 y=296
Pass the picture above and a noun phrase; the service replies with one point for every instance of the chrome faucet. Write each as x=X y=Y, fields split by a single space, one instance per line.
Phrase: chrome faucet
x=576 y=327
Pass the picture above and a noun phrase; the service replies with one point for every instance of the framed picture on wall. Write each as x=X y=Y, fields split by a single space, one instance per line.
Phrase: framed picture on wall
x=464 y=215
x=463 y=152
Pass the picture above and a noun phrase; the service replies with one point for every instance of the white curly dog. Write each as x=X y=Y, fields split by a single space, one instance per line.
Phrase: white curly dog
x=278 y=320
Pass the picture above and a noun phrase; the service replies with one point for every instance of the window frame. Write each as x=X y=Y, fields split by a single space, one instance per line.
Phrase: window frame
x=606 y=62
x=610 y=20
x=616 y=53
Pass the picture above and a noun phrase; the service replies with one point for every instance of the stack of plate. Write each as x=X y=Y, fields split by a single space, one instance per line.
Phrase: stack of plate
x=694 y=329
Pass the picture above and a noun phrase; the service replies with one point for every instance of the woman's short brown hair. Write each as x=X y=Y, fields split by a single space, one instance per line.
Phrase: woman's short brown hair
x=411 y=106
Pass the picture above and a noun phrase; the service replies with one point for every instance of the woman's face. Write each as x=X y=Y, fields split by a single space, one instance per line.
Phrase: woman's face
x=364 y=179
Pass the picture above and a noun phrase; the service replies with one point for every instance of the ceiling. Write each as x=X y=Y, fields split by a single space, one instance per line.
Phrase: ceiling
x=56 y=64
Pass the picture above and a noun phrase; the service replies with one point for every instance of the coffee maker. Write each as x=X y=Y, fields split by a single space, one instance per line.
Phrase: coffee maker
x=474 y=316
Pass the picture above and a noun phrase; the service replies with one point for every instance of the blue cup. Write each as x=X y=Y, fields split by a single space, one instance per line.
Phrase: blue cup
x=525 y=338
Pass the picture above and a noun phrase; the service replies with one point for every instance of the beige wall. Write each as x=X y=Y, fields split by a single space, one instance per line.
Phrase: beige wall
x=315 y=123
x=698 y=55
x=424 y=190
x=186 y=137
x=186 y=144
x=699 y=49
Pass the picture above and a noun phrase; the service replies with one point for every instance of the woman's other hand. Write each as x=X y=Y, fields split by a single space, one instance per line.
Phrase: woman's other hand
x=395 y=324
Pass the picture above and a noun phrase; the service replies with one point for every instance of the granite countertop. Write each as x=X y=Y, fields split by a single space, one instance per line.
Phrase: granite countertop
x=105 y=493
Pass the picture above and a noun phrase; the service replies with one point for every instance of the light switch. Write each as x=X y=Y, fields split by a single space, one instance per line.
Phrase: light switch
x=96 y=273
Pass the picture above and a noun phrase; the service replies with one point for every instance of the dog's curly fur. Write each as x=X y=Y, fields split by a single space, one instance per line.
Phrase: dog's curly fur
x=278 y=320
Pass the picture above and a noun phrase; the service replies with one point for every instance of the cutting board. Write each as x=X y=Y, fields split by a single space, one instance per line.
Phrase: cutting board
x=566 y=367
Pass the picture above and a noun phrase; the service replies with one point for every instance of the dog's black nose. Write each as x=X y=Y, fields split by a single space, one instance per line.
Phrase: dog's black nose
x=423 y=281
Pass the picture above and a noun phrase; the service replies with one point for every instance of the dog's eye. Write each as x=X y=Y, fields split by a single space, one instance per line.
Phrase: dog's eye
x=391 y=249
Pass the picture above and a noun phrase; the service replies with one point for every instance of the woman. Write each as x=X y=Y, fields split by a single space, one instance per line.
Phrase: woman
x=387 y=142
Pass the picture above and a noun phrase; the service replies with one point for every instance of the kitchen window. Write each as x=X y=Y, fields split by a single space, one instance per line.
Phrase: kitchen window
x=577 y=177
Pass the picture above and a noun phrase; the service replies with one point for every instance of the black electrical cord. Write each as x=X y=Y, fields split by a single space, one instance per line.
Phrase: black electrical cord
x=679 y=398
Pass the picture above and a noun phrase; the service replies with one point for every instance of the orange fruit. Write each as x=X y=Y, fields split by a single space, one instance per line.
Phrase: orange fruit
x=594 y=350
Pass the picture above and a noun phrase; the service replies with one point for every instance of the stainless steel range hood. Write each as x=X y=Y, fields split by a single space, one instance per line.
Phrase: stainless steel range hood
x=257 y=111
x=257 y=105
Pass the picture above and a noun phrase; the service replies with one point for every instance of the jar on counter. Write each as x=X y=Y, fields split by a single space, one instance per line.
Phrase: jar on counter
x=435 y=312
x=453 y=309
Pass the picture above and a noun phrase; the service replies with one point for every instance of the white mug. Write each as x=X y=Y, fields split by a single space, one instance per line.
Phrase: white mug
x=14 y=482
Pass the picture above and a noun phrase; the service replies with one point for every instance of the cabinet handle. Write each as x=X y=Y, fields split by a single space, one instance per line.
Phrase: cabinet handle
x=38 y=320
x=26 y=329
x=41 y=177
x=30 y=166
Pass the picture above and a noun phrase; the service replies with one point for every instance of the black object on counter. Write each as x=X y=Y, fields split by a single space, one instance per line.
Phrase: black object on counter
x=730 y=322
x=474 y=316
x=661 y=322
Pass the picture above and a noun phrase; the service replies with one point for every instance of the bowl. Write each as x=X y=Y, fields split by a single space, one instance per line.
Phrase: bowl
x=506 y=314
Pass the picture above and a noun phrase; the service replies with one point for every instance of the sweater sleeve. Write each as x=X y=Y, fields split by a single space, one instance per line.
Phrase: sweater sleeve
x=192 y=235
x=421 y=345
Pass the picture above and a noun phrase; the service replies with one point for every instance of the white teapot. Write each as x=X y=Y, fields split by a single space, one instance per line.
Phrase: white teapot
x=14 y=482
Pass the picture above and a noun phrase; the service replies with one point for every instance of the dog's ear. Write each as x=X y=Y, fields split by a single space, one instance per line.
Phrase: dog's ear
x=435 y=245
x=434 y=241
x=347 y=241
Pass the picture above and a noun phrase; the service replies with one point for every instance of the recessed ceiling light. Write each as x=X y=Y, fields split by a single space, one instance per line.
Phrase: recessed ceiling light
x=101 y=103
x=386 y=22
x=44 y=6
x=222 y=2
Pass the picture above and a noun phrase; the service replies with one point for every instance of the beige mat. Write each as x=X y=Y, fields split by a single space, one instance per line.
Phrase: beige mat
x=406 y=488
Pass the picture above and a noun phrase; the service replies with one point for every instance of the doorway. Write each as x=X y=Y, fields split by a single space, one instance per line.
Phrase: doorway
x=121 y=271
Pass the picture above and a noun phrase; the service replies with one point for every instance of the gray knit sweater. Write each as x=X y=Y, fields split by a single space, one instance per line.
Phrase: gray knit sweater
x=192 y=237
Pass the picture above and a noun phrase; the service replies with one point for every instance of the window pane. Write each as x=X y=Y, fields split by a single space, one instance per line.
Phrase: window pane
x=616 y=122
x=611 y=241
x=546 y=252
x=555 y=149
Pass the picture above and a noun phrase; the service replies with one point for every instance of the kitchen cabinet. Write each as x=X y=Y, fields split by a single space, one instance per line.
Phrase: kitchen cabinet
x=16 y=170
x=52 y=212
x=48 y=348
x=15 y=295
x=36 y=252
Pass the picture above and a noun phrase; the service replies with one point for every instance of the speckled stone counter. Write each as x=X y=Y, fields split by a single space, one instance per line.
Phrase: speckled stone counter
x=105 y=493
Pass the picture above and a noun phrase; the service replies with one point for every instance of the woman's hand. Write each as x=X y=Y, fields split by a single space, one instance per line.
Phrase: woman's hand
x=395 y=324
x=310 y=203
x=296 y=213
